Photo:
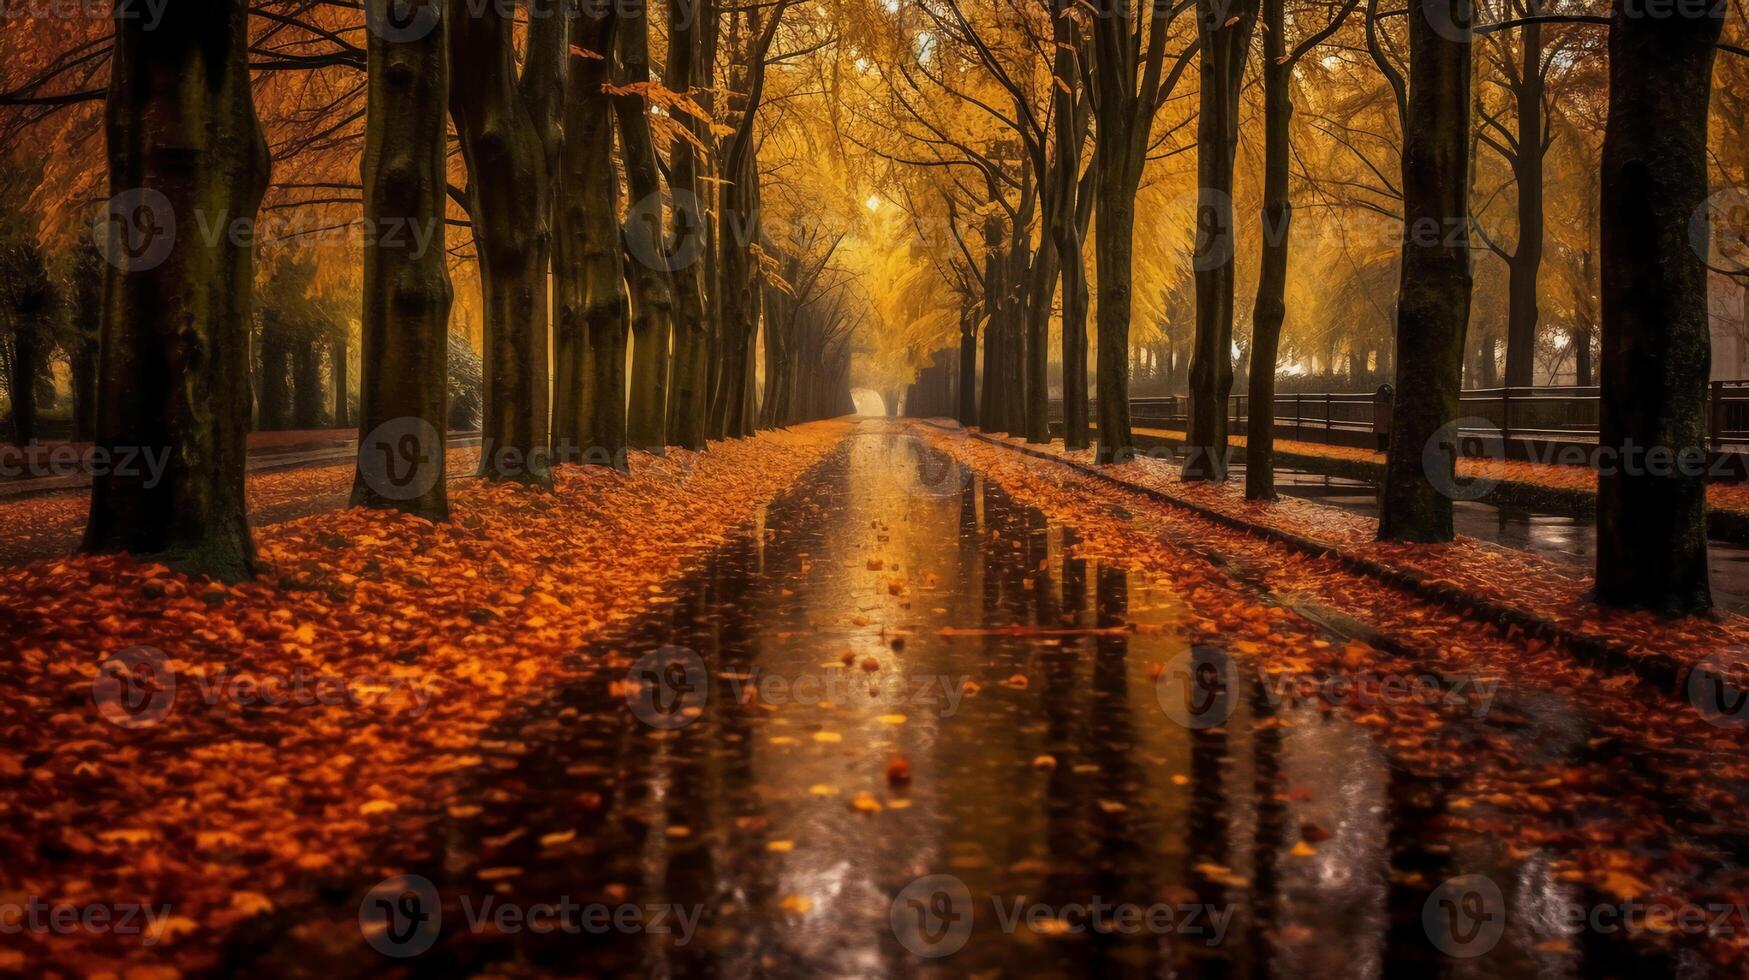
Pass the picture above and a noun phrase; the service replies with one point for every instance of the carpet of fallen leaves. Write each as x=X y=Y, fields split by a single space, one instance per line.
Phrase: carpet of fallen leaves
x=1648 y=811
x=409 y=639
x=50 y=525
x=1554 y=476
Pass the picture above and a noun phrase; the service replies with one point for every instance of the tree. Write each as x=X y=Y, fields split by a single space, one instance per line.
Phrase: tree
x=1125 y=106
x=1270 y=308
x=1651 y=515
x=689 y=389
x=652 y=281
x=1433 y=300
x=175 y=374
x=593 y=308
x=1225 y=36
x=403 y=415
x=507 y=200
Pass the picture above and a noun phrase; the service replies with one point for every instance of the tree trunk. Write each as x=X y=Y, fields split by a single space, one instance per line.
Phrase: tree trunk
x=1270 y=308
x=1651 y=514
x=175 y=347
x=593 y=313
x=404 y=346
x=968 y=366
x=26 y=365
x=690 y=384
x=338 y=372
x=1433 y=303
x=1070 y=117
x=1111 y=255
x=1226 y=38
x=507 y=183
x=275 y=406
x=1527 y=170
x=307 y=380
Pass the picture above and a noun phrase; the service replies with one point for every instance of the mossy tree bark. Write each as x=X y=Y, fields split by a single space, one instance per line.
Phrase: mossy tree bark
x=184 y=143
x=507 y=180
x=1651 y=500
x=404 y=353
x=1433 y=303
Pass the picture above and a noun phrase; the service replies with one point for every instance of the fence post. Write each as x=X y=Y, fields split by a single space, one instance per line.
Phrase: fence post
x=1716 y=414
x=1297 y=433
x=1329 y=421
x=1505 y=417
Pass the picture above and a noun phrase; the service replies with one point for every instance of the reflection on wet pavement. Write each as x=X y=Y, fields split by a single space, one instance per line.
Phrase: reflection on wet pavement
x=905 y=728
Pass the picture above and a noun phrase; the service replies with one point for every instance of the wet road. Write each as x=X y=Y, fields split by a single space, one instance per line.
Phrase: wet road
x=902 y=728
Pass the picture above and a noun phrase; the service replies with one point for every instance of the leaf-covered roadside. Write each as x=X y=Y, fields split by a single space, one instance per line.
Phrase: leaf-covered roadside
x=50 y=524
x=1545 y=589
x=1644 y=809
x=249 y=792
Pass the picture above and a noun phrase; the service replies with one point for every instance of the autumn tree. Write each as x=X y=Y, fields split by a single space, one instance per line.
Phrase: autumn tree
x=1224 y=34
x=175 y=374
x=1433 y=298
x=402 y=412
x=1651 y=497
x=1280 y=60
x=502 y=142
